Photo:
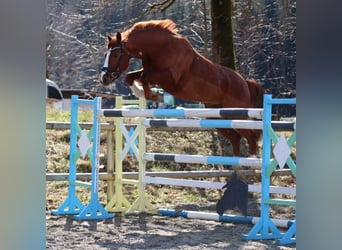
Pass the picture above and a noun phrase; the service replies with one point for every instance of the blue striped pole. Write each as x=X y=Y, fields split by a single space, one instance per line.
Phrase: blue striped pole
x=184 y=113
x=222 y=218
x=202 y=123
x=207 y=123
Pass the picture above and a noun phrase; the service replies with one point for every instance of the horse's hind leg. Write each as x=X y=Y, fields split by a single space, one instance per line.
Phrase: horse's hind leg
x=230 y=134
x=234 y=138
x=252 y=137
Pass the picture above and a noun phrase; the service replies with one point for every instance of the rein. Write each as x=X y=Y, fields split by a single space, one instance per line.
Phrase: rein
x=115 y=73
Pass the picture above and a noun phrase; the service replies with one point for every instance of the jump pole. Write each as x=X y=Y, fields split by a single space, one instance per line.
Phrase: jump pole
x=222 y=218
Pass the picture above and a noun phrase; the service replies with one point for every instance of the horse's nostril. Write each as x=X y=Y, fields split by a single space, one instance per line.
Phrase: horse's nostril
x=103 y=79
x=115 y=75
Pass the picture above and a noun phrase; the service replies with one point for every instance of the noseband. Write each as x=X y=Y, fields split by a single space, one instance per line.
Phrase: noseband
x=115 y=73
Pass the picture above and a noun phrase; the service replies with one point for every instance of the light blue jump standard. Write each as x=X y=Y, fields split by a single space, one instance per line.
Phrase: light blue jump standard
x=72 y=205
x=265 y=228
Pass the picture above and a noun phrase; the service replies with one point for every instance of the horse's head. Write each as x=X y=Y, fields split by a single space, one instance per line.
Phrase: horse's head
x=116 y=60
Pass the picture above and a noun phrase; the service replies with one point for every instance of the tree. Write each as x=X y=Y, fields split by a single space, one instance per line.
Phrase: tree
x=222 y=33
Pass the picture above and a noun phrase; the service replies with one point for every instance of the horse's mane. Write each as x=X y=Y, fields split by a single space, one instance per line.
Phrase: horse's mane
x=166 y=25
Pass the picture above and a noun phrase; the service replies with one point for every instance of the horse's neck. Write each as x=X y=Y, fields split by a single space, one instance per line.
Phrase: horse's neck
x=143 y=41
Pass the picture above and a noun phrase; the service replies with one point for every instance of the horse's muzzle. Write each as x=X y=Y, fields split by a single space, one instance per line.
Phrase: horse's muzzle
x=107 y=78
x=104 y=78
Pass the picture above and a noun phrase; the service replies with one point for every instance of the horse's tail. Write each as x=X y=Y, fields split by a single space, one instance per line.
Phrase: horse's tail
x=257 y=93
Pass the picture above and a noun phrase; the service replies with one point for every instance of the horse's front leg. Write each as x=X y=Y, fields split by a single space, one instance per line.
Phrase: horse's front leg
x=133 y=79
x=133 y=75
x=149 y=94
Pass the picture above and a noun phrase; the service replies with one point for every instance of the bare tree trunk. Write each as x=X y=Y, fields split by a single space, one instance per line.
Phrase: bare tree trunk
x=222 y=33
x=204 y=7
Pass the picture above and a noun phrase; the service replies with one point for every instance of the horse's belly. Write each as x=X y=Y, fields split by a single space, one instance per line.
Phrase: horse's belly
x=200 y=93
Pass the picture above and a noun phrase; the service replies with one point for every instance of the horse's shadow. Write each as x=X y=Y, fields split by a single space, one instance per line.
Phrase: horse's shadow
x=70 y=222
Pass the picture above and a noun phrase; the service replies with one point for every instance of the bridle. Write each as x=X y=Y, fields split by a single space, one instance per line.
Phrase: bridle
x=115 y=73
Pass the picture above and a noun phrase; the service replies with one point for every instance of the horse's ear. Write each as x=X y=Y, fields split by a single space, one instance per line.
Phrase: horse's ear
x=109 y=38
x=118 y=37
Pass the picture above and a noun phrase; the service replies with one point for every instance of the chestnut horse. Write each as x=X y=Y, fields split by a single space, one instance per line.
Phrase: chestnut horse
x=170 y=62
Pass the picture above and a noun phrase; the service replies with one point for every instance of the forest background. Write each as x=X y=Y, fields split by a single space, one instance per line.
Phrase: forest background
x=264 y=38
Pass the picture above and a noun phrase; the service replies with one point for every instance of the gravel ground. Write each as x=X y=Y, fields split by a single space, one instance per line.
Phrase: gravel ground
x=147 y=231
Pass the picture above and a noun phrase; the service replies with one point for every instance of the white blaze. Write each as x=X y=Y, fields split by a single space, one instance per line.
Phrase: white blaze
x=105 y=64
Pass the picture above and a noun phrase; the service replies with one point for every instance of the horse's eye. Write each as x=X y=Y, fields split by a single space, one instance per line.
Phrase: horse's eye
x=115 y=55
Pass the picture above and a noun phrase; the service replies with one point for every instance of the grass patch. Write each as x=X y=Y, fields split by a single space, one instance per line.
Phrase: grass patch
x=55 y=115
x=191 y=197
